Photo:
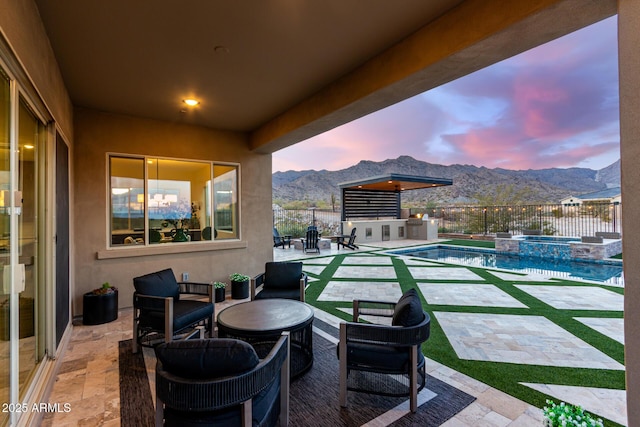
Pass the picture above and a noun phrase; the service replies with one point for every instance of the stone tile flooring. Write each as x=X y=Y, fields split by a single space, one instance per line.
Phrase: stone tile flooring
x=573 y=297
x=443 y=273
x=372 y=271
x=529 y=340
x=348 y=291
x=613 y=328
x=88 y=374
x=495 y=336
x=467 y=294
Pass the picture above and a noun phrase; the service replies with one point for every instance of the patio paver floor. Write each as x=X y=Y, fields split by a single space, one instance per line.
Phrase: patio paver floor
x=496 y=337
x=492 y=407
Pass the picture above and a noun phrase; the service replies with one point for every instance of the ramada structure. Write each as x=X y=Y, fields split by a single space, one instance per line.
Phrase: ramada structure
x=374 y=206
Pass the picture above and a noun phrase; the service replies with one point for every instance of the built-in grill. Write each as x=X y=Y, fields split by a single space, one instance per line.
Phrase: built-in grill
x=414 y=221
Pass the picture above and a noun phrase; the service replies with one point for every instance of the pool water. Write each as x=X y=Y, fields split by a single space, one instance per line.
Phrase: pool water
x=608 y=272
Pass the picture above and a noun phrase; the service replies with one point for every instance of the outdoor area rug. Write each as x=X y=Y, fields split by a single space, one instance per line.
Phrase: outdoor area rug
x=136 y=403
x=313 y=397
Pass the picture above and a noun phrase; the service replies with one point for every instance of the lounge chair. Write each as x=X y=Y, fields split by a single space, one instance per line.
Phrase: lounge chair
x=310 y=243
x=279 y=240
x=350 y=243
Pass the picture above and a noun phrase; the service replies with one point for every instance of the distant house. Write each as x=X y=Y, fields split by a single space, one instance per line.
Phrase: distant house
x=610 y=195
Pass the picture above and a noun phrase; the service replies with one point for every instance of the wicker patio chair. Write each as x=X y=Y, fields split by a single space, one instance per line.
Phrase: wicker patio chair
x=381 y=359
x=221 y=382
x=280 y=280
x=160 y=315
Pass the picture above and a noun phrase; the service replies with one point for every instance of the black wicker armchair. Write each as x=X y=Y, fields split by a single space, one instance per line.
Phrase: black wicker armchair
x=159 y=315
x=382 y=359
x=221 y=382
x=280 y=280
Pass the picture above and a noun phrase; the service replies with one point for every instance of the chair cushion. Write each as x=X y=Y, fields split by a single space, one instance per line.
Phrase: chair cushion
x=380 y=358
x=279 y=293
x=283 y=275
x=208 y=358
x=185 y=314
x=160 y=284
x=408 y=310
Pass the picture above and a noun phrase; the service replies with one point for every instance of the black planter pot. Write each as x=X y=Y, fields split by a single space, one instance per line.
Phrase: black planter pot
x=240 y=290
x=99 y=309
x=219 y=294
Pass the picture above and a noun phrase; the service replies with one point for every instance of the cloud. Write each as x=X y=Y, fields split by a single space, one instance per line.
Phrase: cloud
x=553 y=106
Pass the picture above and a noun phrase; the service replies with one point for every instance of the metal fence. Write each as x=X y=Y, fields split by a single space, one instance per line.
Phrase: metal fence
x=551 y=219
x=294 y=222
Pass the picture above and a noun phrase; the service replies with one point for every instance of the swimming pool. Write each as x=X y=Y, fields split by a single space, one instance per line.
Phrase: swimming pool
x=608 y=272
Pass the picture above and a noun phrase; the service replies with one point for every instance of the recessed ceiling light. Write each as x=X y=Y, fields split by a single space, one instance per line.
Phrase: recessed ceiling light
x=191 y=102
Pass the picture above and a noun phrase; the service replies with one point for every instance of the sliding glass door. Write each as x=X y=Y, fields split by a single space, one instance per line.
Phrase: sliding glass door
x=31 y=133
x=22 y=292
x=5 y=290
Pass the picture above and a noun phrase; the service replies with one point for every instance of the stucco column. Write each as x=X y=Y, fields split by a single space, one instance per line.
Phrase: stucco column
x=629 y=63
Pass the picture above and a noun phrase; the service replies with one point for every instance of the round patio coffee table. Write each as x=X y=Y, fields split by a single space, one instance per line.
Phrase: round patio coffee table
x=261 y=322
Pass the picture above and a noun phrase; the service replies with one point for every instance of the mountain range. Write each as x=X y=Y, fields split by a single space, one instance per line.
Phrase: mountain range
x=470 y=183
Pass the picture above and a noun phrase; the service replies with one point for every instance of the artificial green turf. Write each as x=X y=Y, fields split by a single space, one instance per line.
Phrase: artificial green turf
x=502 y=376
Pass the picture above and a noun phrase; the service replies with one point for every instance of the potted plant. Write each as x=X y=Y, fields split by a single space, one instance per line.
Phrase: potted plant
x=239 y=286
x=100 y=305
x=566 y=414
x=219 y=291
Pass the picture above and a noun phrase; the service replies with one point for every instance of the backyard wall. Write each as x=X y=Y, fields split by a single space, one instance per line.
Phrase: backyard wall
x=99 y=133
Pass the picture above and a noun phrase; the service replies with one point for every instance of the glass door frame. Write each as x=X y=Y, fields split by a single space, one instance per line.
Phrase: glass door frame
x=44 y=200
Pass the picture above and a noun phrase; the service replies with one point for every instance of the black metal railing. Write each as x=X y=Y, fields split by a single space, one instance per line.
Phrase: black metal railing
x=552 y=219
x=294 y=222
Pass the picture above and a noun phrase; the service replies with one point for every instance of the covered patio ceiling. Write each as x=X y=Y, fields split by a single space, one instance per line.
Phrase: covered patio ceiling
x=379 y=196
x=396 y=182
x=281 y=71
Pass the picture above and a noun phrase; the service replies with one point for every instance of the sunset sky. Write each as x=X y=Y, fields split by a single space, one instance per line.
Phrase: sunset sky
x=553 y=106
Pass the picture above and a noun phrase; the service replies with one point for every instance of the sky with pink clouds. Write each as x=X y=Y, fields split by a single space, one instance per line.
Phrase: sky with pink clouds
x=553 y=106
